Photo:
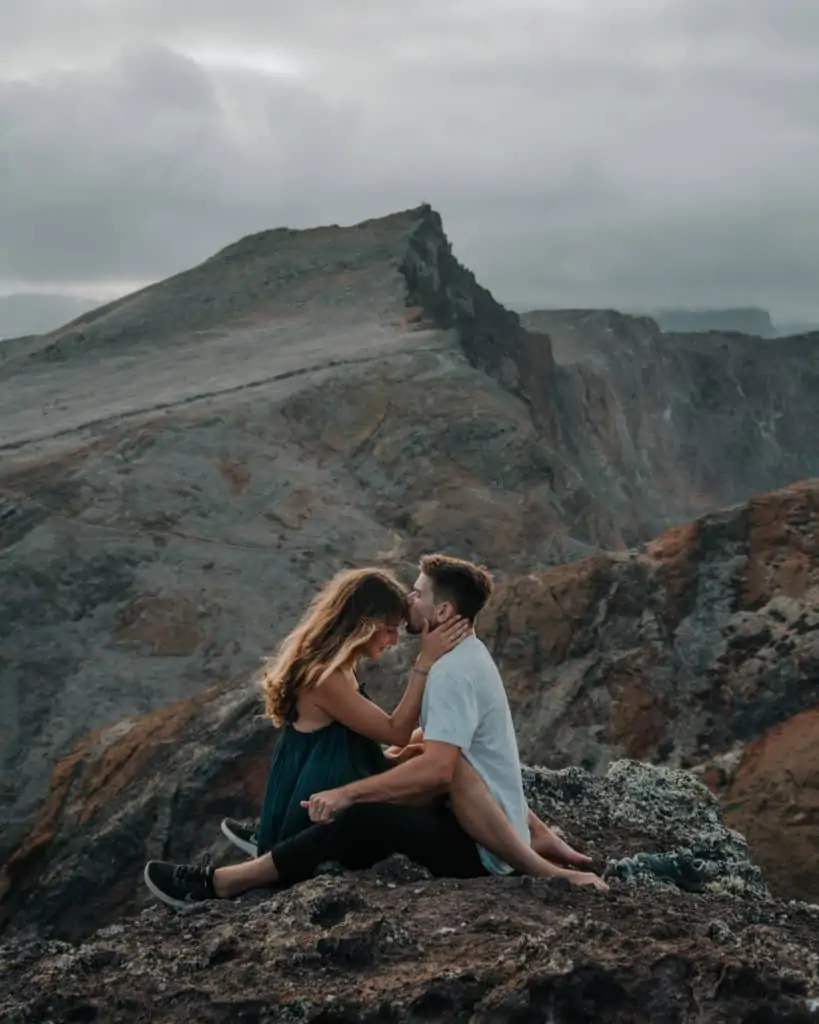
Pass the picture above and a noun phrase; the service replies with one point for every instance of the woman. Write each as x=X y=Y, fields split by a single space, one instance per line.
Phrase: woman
x=331 y=732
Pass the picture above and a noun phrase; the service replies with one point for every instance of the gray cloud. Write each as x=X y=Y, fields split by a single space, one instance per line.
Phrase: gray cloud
x=583 y=153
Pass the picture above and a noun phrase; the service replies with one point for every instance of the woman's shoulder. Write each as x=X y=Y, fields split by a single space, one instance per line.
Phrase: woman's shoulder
x=323 y=697
x=339 y=681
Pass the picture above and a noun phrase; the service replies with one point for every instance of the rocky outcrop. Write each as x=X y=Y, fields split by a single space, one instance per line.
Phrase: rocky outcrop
x=151 y=786
x=394 y=945
x=707 y=636
x=704 y=643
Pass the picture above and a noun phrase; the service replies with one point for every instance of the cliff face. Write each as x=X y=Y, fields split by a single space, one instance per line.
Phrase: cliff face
x=769 y=788
x=673 y=425
x=182 y=468
x=707 y=636
x=492 y=337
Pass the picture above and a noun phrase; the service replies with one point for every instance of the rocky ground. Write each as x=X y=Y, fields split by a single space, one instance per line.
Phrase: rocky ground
x=388 y=950
x=689 y=936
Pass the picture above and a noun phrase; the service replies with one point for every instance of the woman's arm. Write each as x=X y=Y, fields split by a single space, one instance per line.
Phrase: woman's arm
x=338 y=695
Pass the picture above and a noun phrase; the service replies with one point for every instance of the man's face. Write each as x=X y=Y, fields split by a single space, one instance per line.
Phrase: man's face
x=421 y=606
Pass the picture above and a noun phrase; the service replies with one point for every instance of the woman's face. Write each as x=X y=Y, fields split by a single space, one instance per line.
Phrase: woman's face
x=385 y=636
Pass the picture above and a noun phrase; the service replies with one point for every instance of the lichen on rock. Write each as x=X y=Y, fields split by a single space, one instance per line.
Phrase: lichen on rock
x=673 y=814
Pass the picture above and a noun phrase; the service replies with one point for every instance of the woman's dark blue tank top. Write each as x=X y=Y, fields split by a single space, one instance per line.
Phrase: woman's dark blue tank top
x=304 y=763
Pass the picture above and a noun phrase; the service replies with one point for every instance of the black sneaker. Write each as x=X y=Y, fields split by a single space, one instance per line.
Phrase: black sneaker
x=179 y=885
x=242 y=835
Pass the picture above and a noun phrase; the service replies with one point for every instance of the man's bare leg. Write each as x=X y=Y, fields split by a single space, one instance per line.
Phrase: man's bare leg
x=549 y=845
x=543 y=840
x=238 y=878
x=481 y=817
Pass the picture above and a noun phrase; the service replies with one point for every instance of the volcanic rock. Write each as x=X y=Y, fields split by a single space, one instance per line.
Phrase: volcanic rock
x=392 y=945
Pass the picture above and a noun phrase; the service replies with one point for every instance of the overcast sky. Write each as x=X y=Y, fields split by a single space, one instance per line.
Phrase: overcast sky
x=581 y=152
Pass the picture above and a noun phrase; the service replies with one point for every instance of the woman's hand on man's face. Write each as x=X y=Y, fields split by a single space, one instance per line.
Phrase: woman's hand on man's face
x=439 y=641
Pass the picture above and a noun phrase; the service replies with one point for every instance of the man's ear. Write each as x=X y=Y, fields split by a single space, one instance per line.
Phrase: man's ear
x=446 y=611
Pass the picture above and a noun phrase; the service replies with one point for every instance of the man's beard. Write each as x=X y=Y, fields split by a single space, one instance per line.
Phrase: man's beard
x=414 y=628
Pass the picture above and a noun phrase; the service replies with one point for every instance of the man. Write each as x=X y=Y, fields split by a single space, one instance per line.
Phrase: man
x=467 y=729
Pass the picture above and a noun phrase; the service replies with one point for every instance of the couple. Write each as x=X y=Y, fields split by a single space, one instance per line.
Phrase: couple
x=448 y=795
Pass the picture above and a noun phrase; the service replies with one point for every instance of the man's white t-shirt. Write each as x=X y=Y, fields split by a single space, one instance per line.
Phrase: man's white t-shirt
x=465 y=704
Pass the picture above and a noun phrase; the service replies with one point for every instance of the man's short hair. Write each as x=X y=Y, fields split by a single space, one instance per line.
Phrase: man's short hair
x=464 y=585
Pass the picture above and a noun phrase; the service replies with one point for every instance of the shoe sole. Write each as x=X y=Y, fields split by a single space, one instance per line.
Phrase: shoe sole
x=249 y=848
x=160 y=895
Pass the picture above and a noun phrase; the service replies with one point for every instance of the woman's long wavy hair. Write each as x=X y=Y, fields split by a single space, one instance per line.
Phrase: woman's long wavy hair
x=343 y=617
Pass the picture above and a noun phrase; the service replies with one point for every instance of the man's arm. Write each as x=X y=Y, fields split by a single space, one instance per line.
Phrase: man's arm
x=451 y=721
x=426 y=775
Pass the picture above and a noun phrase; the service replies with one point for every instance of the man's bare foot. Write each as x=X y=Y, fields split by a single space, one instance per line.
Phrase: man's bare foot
x=552 y=847
x=587 y=878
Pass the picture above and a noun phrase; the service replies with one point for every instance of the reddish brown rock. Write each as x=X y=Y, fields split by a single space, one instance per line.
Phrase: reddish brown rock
x=145 y=787
x=707 y=636
x=772 y=797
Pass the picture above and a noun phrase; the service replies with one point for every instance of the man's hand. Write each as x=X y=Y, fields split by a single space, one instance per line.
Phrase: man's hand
x=324 y=807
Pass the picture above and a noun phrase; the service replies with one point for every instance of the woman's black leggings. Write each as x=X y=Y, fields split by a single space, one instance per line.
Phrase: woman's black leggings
x=364 y=834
